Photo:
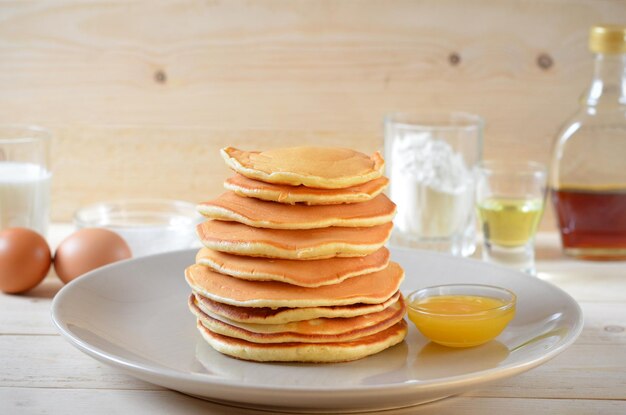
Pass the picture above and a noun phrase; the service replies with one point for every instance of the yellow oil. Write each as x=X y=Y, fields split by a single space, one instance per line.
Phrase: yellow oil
x=510 y=222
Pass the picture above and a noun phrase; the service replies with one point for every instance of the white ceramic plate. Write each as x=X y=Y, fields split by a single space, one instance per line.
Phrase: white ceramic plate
x=133 y=315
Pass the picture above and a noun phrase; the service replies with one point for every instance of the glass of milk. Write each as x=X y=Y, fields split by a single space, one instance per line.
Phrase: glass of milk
x=429 y=160
x=24 y=177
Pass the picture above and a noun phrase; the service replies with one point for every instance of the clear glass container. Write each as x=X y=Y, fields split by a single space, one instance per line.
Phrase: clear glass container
x=429 y=159
x=588 y=169
x=25 y=177
x=461 y=315
x=149 y=226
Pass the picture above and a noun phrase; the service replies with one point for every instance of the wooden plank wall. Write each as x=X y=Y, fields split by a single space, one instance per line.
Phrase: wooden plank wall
x=142 y=94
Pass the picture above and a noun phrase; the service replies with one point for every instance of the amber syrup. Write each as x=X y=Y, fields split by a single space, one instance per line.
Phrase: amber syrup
x=592 y=222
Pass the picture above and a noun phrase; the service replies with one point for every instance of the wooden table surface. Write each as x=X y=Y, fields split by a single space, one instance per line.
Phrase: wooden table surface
x=41 y=373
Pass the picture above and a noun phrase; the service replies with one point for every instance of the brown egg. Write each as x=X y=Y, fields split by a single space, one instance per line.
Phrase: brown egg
x=24 y=259
x=88 y=249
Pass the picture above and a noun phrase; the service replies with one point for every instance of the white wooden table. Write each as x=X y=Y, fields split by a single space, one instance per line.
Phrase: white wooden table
x=41 y=373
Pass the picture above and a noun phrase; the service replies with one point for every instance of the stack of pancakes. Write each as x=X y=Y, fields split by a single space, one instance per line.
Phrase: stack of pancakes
x=293 y=266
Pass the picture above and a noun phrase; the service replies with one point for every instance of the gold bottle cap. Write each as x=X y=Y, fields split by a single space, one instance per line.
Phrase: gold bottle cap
x=607 y=38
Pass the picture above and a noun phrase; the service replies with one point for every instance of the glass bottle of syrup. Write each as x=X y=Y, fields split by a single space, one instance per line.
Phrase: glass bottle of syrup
x=588 y=170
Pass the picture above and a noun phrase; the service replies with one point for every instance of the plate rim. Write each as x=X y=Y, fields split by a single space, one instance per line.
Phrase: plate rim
x=400 y=388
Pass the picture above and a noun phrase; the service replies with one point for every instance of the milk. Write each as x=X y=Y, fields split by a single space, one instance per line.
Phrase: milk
x=24 y=196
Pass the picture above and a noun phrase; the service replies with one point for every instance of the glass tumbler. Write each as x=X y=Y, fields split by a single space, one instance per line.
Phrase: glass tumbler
x=429 y=159
x=24 y=177
x=510 y=198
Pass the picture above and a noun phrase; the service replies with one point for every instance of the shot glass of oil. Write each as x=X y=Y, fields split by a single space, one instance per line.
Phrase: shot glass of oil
x=510 y=197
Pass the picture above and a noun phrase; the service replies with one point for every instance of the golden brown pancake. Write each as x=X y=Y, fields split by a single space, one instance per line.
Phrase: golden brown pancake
x=319 y=167
x=240 y=239
x=312 y=273
x=262 y=214
x=281 y=315
x=372 y=288
x=321 y=330
x=244 y=186
x=306 y=352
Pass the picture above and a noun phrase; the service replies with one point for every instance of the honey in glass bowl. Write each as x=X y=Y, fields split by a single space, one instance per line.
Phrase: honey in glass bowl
x=461 y=315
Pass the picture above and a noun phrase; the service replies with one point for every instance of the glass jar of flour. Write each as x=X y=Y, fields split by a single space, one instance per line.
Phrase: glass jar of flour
x=429 y=161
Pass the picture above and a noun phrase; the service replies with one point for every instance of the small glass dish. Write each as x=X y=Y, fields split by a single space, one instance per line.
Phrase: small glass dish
x=149 y=226
x=461 y=315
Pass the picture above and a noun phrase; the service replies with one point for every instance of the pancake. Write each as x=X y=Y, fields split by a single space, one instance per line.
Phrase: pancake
x=319 y=167
x=244 y=186
x=262 y=214
x=281 y=315
x=312 y=273
x=306 y=352
x=372 y=288
x=240 y=239
x=321 y=330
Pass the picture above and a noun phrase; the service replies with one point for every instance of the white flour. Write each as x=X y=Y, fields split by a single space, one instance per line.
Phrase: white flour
x=431 y=185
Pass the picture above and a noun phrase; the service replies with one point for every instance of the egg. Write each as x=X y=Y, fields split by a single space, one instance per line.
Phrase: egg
x=88 y=249
x=24 y=259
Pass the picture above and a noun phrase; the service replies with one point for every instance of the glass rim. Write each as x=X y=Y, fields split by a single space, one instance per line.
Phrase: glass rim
x=513 y=168
x=435 y=120
x=509 y=302
x=22 y=133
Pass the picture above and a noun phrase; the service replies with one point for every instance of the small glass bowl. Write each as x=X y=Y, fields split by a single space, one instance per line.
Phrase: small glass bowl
x=149 y=226
x=461 y=315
